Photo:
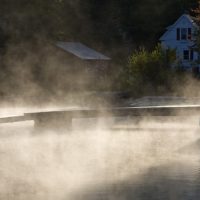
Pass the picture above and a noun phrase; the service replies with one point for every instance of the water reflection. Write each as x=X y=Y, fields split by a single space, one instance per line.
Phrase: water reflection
x=169 y=182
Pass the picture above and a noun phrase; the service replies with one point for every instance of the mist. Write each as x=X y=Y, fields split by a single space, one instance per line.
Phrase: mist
x=102 y=158
x=96 y=162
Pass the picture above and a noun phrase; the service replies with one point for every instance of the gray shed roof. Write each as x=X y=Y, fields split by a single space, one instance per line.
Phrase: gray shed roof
x=81 y=51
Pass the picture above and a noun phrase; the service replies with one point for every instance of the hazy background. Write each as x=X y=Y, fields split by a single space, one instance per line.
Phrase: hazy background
x=33 y=70
x=93 y=163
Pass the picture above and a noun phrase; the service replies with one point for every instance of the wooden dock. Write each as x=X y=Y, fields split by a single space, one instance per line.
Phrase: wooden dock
x=63 y=118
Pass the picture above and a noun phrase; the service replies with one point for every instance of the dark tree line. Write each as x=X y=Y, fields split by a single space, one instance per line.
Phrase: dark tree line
x=107 y=21
x=116 y=26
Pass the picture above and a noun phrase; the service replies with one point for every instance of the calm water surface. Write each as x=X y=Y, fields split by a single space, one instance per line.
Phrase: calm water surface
x=99 y=164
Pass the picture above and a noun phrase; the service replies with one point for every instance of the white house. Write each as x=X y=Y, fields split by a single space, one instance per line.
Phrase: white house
x=180 y=36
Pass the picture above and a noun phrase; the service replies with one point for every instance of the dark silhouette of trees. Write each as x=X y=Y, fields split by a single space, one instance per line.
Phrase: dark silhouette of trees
x=109 y=21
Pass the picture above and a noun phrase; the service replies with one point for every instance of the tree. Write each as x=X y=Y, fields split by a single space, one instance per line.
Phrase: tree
x=196 y=12
x=148 y=70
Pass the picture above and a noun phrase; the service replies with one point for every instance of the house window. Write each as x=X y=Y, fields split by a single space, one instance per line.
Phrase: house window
x=178 y=33
x=189 y=36
x=183 y=33
x=191 y=54
x=188 y=54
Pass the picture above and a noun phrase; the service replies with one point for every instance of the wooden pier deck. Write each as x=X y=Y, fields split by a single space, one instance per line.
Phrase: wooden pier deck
x=63 y=118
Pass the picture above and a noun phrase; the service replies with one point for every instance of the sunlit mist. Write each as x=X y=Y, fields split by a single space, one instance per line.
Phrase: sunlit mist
x=89 y=160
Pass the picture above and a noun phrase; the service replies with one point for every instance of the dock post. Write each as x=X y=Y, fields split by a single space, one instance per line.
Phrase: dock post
x=49 y=123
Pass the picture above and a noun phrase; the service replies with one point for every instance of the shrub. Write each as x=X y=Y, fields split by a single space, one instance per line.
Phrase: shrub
x=148 y=72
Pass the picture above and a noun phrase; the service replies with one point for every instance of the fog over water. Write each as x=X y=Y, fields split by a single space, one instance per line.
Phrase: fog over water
x=147 y=160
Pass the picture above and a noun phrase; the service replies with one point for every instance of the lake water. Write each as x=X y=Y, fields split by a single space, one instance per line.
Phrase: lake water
x=157 y=162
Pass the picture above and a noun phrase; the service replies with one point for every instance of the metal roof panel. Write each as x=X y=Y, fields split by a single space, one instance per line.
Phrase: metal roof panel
x=81 y=51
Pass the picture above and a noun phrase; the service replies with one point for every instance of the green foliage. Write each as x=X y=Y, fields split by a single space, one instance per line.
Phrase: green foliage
x=148 y=70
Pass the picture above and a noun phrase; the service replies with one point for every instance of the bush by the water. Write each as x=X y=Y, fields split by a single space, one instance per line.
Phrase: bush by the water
x=149 y=71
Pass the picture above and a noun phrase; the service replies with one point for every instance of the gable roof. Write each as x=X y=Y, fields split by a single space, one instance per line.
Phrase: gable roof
x=169 y=28
x=81 y=51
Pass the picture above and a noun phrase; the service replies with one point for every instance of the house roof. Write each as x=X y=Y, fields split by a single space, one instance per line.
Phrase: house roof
x=169 y=28
x=81 y=51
